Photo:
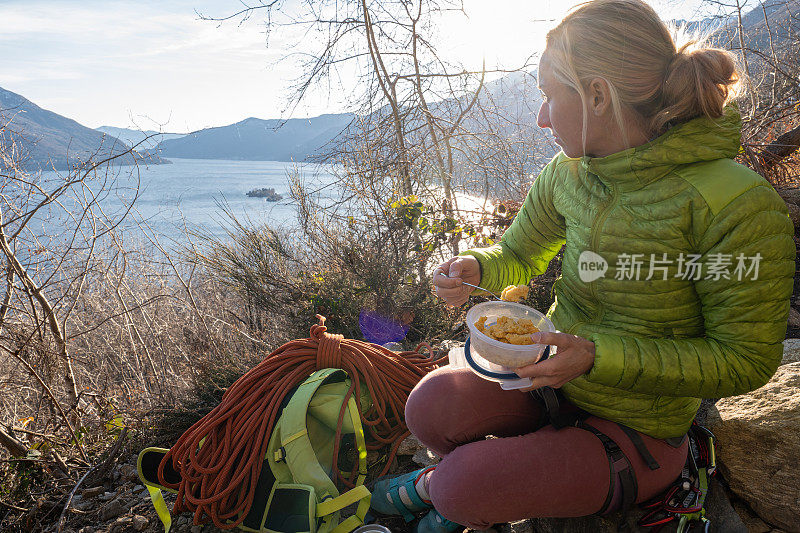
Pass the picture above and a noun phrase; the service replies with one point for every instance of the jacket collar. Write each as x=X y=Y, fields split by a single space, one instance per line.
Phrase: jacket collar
x=699 y=139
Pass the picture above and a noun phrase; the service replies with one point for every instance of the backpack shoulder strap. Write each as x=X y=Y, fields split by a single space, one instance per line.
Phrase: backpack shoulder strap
x=298 y=453
x=295 y=446
x=359 y=493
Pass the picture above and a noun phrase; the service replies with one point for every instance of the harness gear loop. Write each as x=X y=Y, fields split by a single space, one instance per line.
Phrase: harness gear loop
x=684 y=499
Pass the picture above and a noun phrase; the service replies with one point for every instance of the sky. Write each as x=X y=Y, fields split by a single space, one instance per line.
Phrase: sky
x=155 y=64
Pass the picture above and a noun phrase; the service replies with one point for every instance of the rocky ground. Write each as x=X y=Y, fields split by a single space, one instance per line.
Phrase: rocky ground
x=122 y=504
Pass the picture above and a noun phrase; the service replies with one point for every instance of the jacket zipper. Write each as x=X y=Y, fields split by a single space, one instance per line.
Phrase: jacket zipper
x=593 y=242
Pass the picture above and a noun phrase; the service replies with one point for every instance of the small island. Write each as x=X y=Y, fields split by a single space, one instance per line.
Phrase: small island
x=264 y=192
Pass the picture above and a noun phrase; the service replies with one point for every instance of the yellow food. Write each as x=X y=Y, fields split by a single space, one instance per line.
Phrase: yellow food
x=515 y=293
x=508 y=330
x=480 y=325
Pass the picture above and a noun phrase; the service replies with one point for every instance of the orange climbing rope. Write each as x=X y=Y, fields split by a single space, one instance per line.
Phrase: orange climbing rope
x=218 y=479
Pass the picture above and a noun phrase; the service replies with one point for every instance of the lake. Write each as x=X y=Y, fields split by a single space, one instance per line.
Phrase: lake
x=189 y=192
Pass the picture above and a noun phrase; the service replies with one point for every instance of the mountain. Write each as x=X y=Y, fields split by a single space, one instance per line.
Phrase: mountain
x=516 y=93
x=773 y=26
x=511 y=102
x=46 y=140
x=255 y=139
x=702 y=27
x=140 y=139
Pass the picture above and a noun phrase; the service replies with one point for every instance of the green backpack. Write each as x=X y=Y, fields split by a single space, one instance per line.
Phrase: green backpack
x=295 y=492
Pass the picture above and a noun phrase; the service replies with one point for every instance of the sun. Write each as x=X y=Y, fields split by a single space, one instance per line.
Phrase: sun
x=504 y=33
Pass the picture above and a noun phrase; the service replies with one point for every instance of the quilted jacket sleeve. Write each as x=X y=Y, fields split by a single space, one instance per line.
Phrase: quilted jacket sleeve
x=530 y=243
x=745 y=320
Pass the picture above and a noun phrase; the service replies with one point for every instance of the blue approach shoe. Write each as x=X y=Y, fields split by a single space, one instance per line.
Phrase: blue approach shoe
x=433 y=522
x=386 y=488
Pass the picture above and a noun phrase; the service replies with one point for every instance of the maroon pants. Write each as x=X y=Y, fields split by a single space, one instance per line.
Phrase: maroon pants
x=529 y=470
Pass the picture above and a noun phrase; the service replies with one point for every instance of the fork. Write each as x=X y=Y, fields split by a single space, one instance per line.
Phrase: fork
x=481 y=288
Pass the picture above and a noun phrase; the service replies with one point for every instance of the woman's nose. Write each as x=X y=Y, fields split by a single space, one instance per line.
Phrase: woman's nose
x=543 y=118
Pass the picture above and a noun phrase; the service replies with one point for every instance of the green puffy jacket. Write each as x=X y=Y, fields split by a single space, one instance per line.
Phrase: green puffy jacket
x=700 y=262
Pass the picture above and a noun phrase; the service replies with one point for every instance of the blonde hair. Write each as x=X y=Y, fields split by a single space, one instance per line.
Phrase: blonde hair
x=625 y=43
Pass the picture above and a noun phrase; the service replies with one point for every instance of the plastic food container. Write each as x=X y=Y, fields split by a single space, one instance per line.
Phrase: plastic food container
x=501 y=353
x=373 y=528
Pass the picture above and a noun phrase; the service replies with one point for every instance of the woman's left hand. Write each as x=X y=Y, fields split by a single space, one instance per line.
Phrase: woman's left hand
x=574 y=357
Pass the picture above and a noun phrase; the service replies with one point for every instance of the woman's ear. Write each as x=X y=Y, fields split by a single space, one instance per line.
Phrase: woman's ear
x=599 y=96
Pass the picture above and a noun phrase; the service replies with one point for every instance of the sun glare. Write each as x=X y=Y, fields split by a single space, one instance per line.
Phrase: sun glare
x=504 y=32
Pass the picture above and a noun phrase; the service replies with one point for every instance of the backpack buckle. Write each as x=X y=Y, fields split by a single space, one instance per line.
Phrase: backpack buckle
x=280 y=455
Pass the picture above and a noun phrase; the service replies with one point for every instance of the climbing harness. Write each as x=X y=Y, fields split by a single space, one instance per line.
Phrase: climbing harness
x=267 y=457
x=621 y=474
x=683 y=500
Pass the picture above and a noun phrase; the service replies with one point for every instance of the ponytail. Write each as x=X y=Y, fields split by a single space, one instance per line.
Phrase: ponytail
x=698 y=81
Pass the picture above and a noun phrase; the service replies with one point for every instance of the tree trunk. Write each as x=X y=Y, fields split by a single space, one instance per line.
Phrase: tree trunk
x=780 y=148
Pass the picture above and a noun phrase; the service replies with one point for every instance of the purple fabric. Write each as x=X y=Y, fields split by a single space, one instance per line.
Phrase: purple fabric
x=380 y=329
x=528 y=470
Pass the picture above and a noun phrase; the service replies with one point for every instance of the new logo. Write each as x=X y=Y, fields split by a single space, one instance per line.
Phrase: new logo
x=591 y=266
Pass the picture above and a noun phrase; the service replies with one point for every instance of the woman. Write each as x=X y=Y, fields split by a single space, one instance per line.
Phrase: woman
x=675 y=285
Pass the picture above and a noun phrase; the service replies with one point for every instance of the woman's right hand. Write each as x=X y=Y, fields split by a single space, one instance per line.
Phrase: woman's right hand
x=448 y=276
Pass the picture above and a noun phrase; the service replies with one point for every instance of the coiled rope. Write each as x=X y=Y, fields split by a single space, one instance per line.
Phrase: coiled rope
x=218 y=479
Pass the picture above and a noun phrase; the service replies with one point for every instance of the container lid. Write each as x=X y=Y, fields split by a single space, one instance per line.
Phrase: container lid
x=373 y=528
